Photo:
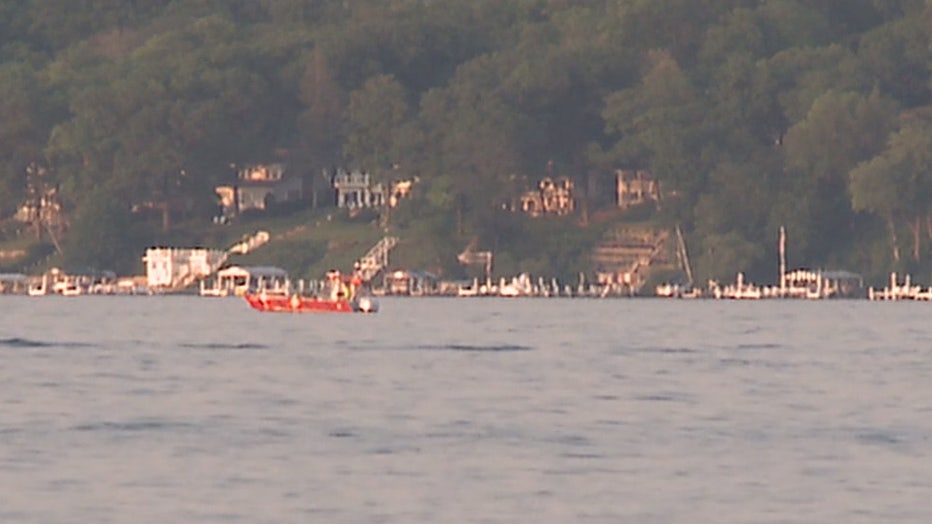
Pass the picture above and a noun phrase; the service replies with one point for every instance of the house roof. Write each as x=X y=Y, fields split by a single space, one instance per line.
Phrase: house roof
x=254 y=271
x=840 y=274
x=836 y=274
x=414 y=273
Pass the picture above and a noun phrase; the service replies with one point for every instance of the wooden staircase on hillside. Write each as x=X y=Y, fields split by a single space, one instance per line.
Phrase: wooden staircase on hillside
x=626 y=255
x=376 y=259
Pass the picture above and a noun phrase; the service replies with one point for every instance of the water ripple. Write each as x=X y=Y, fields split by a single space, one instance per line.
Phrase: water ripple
x=758 y=346
x=27 y=343
x=469 y=347
x=132 y=426
x=17 y=342
x=220 y=345
x=664 y=397
x=668 y=350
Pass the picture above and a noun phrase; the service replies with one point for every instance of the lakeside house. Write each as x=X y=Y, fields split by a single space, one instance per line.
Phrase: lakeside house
x=258 y=187
x=634 y=187
x=357 y=190
x=553 y=196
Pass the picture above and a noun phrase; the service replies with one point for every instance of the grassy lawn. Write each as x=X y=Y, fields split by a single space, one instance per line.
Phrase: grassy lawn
x=305 y=243
x=19 y=253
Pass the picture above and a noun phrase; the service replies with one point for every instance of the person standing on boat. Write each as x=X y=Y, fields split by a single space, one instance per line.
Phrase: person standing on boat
x=335 y=285
x=355 y=280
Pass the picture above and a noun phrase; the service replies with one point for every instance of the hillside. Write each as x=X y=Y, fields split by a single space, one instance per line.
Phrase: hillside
x=121 y=120
x=307 y=243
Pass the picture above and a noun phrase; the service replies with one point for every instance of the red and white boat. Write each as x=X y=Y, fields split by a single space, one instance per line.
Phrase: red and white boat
x=338 y=296
x=294 y=303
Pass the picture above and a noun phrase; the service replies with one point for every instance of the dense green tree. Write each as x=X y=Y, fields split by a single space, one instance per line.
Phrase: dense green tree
x=475 y=135
x=320 y=132
x=375 y=113
x=102 y=235
x=174 y=111
x=23 y=128
x=898 y=55
x=736 y=212
x=841 y=129
x=57 y=24
x=725 y=254
x=660 y=126
x=897 y=183
x=675 y=26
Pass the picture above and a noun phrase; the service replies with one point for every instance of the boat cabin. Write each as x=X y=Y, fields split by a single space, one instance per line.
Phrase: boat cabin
x=807 y=283
x=238 y=280
x=410 y=283
x=13 y=283
x=72 y=282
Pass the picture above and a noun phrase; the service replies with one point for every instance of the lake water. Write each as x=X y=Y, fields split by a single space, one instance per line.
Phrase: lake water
x=186 y=409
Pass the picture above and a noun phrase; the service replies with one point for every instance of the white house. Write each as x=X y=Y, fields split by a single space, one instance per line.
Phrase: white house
x=169 y=268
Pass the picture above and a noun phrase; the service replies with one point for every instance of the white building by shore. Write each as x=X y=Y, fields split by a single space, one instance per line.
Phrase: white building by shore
x=171 y=268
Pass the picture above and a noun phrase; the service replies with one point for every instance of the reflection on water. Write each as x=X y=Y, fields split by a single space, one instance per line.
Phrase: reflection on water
x=184 y=409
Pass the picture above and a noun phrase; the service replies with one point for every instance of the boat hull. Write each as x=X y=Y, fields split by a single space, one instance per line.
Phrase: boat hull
x=303 y=304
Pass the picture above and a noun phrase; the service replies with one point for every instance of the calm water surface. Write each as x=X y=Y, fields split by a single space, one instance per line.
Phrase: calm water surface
x=184 y=409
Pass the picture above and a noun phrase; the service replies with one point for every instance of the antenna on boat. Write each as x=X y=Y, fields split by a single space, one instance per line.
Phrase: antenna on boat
x=782 y=261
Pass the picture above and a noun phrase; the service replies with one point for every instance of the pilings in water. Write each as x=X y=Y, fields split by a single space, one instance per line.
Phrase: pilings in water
x=897 y=291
